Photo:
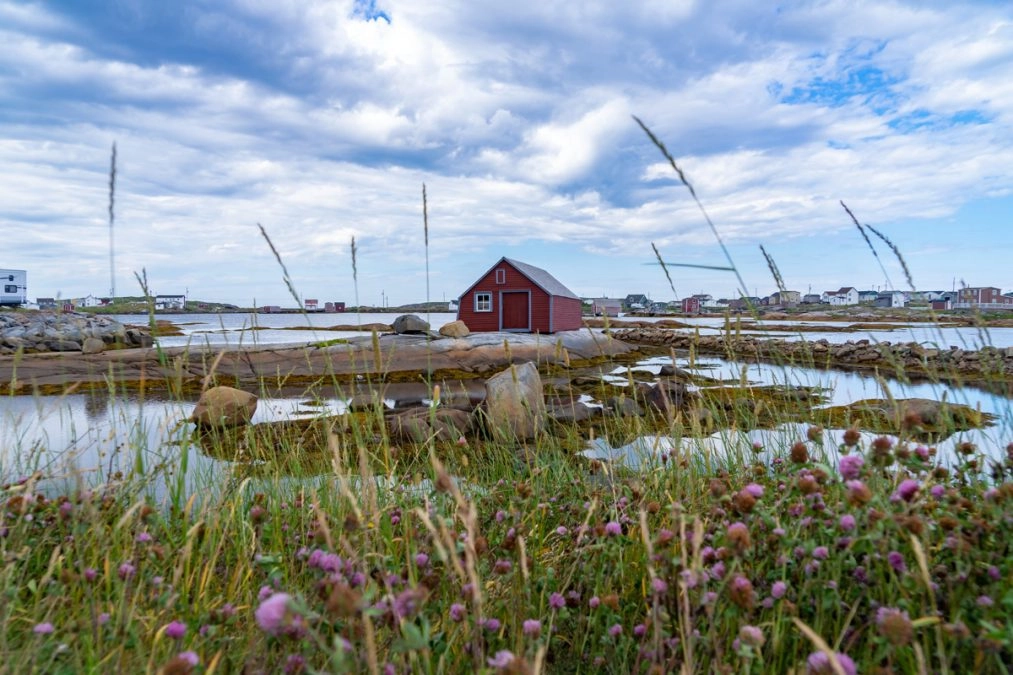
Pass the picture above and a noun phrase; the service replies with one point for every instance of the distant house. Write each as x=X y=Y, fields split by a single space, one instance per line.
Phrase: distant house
x=745 y=302
x=334 y=307
x=636 y=301
x=513 y=296
x=943 y=303
x=311 y=305
x=891 y=299
x=867 y=297
x=270 y=309
x=88 y=301
x=812 y=299
x=170 y=302
x=606 y=306
x=846 y=295
x=691 y=305
x=982 y=297
x=46 y=303
x=784 y=298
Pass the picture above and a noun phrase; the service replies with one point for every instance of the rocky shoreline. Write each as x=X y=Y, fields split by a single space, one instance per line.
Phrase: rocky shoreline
x=35 y=332
x=990 y=365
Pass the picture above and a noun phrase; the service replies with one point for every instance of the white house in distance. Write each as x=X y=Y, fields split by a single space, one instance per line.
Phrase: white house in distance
x=13 y=287
x=847 y=295
x=88 y=301
x=170 y=301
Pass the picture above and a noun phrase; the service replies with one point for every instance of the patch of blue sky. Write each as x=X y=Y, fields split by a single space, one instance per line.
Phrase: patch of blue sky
x=853 y=75
x=867 y=82
x=367 y=9
x=921 y=119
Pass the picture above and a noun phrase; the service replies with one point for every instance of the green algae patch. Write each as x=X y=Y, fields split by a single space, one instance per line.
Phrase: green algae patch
x=916 y=418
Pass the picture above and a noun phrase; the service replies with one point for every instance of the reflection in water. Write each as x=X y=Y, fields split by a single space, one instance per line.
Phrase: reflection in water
x=96 y=406
x=762 y=445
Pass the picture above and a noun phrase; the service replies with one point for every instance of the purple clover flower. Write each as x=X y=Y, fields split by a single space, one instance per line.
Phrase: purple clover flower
x=175 y=630
x=502 y=659
x=896 y=561
x=906 y=491
x=850 y=466
x=271 y=615
x=818 y=663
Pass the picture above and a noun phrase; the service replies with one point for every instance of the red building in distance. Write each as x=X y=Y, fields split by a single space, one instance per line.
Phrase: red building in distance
x=516 y=297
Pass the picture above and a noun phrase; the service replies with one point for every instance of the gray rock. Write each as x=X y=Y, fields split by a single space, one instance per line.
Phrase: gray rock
x=418 y=425
x=573 y=412
x=92 y=345
x=62 y=346
x=409 y=323
x=513 y=406
x=623 y=406
x=665 y=396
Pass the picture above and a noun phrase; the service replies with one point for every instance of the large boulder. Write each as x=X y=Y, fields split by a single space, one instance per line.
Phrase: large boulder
x=224 y=407
x=409 y=323
x=455 y=329
x=514 y=407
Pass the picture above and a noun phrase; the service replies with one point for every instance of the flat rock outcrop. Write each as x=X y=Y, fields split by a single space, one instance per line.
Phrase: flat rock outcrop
x=398 y=357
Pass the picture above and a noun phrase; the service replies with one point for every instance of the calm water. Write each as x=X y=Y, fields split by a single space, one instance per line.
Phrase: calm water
x=237 y=330
x=90 y=435
x=927 y=334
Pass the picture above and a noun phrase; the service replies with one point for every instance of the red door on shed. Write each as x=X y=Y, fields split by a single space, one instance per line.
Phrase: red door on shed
x=515 y=311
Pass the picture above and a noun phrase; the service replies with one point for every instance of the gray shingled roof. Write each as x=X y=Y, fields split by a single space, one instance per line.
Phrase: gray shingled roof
x=542 y=279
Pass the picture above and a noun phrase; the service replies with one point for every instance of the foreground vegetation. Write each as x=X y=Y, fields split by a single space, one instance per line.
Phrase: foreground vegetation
x=527 y=560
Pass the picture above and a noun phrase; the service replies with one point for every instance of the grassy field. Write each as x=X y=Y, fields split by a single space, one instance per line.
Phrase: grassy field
x=480 y=557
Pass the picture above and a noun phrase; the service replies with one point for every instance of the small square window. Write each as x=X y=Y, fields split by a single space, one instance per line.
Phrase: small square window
x=10 y=289
x=483 y=302
x=500 y=276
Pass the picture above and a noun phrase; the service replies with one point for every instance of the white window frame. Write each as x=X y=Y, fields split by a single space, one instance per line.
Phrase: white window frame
x=483 y=304
x=501 y=276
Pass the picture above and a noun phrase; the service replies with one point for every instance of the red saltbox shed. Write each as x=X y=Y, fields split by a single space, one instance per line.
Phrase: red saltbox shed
x=516 y=297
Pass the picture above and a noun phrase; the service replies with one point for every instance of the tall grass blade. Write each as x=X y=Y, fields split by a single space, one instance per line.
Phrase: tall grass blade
x=861 y=230
x=896 y=252
x=772 y=266
x=112 y=219
x=682 y=177
x=664 y=268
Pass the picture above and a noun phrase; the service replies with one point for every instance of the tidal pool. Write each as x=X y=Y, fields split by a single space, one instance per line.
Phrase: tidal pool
x=87 y=438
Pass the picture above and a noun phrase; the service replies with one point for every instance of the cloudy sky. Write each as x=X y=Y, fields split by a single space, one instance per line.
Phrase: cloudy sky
x=322 y=119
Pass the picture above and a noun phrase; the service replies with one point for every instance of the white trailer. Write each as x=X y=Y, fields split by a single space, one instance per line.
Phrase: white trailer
x=13 y=287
